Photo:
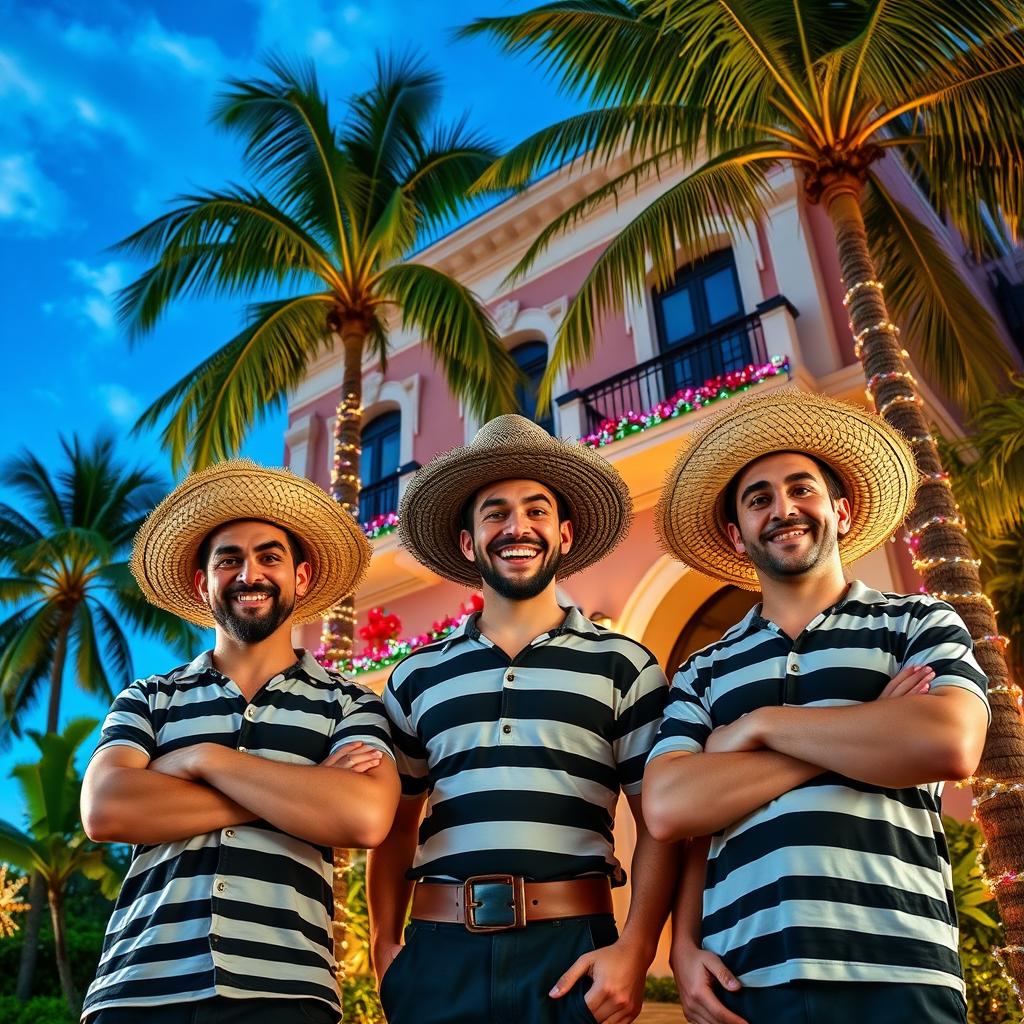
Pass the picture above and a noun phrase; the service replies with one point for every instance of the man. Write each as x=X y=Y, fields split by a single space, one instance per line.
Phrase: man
x=236 y=774
x=518 y=732
x=827 y=893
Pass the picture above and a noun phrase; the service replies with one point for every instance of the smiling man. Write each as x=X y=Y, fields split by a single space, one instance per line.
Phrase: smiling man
x=822 y=723
x=234 y=775
x=516 y=735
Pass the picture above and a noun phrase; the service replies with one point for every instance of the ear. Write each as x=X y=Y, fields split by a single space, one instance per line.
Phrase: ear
x=736 y=537
x=565 y=532
x=200 y=583
x=466 y=545
x=303 y=575
x=844 y=514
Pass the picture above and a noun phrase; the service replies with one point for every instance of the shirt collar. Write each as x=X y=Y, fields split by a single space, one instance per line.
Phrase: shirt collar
x=306 y=663
x=575 y=622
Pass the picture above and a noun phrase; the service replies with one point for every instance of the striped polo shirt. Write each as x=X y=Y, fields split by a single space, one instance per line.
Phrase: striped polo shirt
x=523 y=758
x=836 y=880
x=245 y=911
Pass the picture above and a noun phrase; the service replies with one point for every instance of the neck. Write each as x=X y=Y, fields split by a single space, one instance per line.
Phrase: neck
x=252 y=665
x=513 y=624
x=792 y=601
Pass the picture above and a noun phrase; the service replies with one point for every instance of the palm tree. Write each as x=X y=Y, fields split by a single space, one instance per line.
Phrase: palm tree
x=55 y=846
x=66 y=574
x=728 y=89
x=343 y=206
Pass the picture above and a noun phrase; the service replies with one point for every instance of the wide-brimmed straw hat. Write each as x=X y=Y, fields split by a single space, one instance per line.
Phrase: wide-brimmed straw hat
x=513 y=448
x=165 y=556
x=873 y=460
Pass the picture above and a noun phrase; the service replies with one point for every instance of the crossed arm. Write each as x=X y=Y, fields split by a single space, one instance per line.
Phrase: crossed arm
x=129 y=799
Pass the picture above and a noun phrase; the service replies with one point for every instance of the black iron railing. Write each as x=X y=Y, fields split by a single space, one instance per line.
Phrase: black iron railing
x=379 y=497
x=641 y=387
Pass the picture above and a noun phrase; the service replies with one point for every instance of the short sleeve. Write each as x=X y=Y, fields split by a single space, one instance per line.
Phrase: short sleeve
x=362 y=720
x=636 y=725
x=687 y=721
x=939 y=638
x=410 y=754
x=129 y=722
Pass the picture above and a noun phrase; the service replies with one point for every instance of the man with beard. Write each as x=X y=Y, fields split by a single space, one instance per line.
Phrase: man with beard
x=235 y=775
x=827 y=892
x=517 y=733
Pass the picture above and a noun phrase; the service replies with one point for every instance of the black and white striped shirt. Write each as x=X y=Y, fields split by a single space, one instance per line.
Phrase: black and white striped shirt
x=836 y=880
x=245 y=911
x=523 y=759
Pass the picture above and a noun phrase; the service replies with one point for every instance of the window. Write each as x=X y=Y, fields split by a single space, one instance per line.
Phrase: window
x=378 y=467
x=700 y=322
x=707 y=625
x=532 y=358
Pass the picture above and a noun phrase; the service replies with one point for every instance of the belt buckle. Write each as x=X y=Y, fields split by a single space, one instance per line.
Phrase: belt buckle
x=517 y=890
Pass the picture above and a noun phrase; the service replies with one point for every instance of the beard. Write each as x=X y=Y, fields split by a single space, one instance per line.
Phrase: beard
x=522 y=589
x=248 y=628
x=780 y=565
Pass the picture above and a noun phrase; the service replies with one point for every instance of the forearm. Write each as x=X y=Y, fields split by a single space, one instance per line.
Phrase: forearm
x=654 y=872
x=323 y=805
x=884 y=743
x=698 y=794
x=118 y=807
x=388 y=890
x=688 y=910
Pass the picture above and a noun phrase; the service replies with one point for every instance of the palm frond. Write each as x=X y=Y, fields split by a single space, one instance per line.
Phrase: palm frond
x=951 y=335
x=27 y=641
x=26 y=473
x=16 y=531
x=215 y=405
x=88 y=660
x=459 y=332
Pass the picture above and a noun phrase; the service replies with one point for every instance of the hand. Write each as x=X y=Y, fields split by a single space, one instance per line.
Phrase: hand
x=697 y=973
x=618 y=973
x=354 y=757
x=908 y=681
x=743 y=734
x=183 y=763
x=384 y=954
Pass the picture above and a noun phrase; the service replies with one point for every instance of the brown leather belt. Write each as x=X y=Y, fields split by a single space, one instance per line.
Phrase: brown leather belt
x=496 y=903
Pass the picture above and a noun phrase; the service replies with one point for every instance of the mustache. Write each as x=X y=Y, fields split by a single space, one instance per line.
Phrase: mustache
x=497 y=546
x=255 y=588
x=801 y=522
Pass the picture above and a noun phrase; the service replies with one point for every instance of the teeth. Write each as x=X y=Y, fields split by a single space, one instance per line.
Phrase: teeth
x=518 y=553
x=250 y=598
x=788 y=534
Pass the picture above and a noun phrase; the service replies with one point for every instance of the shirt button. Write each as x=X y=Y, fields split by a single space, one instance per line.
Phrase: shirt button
x=506 y=729
x=221 y=885
x=243 y=750
x=229 y=833
x=510 y=676
x=250 y=712
x=214 y=939
x=794 y=668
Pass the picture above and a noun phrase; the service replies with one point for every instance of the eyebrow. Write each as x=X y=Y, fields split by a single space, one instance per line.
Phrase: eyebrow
x=760 y=485
x=234 y=549
x=493 y=502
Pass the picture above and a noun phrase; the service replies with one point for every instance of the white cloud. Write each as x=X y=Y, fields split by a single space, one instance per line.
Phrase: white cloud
x=102 y=284
x=122 y=405
x=48 y=396
x=317 y=28
x=15 y=84
x=198 y=56
x=29 y=200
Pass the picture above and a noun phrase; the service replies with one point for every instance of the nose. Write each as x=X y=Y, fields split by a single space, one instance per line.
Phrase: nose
x=250 y=572
x=517 y=524
x=783 y=506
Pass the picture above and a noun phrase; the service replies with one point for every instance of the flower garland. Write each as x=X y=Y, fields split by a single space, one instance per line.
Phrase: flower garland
x=725 y=385
x=393 y=650
x=381 y=526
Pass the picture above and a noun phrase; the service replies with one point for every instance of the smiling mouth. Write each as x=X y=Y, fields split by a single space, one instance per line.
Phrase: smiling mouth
x=251 y=598
x=518 y=555
x=787 y=536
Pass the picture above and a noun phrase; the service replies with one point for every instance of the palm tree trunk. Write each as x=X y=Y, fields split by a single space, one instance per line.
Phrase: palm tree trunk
x=60 y=652
x=30 y=936
x=943 y=556
x=61 y=949
x=340 y=621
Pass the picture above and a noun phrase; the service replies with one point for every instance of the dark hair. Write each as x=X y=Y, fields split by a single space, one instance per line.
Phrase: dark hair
x=294 y=545
x=833 y=484
x=466 y=513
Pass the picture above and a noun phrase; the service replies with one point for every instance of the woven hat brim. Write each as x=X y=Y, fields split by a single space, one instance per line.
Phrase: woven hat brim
x=872 y=459
x=164 y=557
x=597 y=497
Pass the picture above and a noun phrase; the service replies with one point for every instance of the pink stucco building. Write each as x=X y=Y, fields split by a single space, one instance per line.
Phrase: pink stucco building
x=772 y=290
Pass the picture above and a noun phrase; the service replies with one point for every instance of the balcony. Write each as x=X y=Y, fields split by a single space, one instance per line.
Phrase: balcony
x=378 y=498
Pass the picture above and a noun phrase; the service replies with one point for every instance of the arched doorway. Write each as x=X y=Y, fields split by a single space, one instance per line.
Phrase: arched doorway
x=723 y=609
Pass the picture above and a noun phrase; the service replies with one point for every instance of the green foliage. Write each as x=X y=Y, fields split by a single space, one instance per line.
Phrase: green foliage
x=359 y=1001
x=39 y=1010
x=84 y=941
x=990 y=1000
x=724 y=91
x=661 y=990
x=338 y=206
x=64 y=561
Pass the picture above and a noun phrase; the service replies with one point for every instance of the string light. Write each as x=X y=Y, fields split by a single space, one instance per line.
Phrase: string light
x=860 y=286
x=882 y=378
x=956 y=521
x=924 y=564
x=967 y=595
x=882 y=327
x=899 y=400
x=999 y=953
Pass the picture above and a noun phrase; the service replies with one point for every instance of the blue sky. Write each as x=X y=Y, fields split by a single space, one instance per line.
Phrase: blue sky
x=105 y=109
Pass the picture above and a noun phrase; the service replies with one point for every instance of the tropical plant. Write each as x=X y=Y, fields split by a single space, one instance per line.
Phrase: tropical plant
x=64 y=565
x=54 y=844
x=722 y=91
x=344 y=205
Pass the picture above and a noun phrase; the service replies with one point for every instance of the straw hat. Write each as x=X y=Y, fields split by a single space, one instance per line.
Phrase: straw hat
x=164 y=559
x=872 y=459
x=512 y=448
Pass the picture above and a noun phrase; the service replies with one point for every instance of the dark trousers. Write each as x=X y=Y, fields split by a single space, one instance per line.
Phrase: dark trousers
x=221 y=1010
x=447 y=975
x=847 y=1002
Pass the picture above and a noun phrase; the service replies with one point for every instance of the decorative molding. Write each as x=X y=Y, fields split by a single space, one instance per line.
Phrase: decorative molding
x=505 y=315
